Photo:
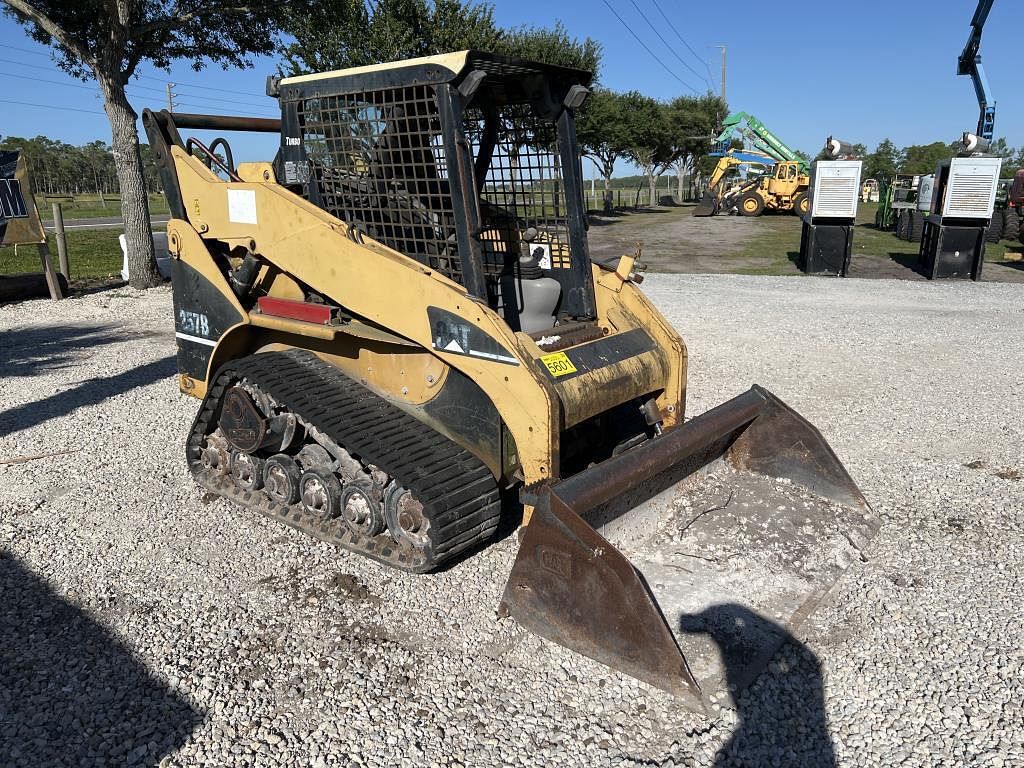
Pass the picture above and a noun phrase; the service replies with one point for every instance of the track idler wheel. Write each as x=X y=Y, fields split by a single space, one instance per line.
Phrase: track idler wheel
x=320 y=492
x=281 y=476
x=361 y=508
x=247 y=471
x=405 y=519
x=215 y=455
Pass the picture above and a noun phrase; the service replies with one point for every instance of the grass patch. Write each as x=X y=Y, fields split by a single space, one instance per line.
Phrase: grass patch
x=778 y=240
x=89 y=206
x=778 y=236
x=92 y=254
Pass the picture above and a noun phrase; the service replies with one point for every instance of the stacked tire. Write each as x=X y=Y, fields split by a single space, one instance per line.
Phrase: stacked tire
x=902 y=223
x=916 y=228
x=1012 y=225
x=996 y=226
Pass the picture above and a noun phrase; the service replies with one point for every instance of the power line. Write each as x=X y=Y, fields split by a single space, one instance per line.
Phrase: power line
x=654 y=29
x=51 y=106
x=681 y=38
x=144 y=77
x=644 y=46
x=205 y=87
x=213 y=100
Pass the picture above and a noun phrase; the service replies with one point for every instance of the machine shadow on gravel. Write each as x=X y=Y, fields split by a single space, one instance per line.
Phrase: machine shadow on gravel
x=32 y=351
x=782 y=719
x=88 y=392
x=70 y=692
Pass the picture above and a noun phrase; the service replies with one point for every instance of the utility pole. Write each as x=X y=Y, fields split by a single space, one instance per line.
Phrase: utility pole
x=722 y=49
x=170 y=97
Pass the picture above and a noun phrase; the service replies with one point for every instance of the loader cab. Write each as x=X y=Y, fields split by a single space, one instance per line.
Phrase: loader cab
x=465 y=162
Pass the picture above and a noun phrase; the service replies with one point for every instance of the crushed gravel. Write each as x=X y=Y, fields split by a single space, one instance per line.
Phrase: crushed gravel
x=144 y=622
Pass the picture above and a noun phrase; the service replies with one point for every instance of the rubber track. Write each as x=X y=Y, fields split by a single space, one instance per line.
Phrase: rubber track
x=459 y=494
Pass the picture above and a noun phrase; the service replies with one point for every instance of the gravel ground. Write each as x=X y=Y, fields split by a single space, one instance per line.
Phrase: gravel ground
x=146 y=623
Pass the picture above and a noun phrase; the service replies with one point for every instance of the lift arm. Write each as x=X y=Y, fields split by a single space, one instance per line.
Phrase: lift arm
x=969 y=63
x=733 y=158
x=761 y=136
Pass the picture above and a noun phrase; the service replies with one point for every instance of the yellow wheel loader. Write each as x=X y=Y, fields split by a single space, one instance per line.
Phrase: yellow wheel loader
x=724 y=186
x=401 y=343
x=786 y=188
x=783 y=186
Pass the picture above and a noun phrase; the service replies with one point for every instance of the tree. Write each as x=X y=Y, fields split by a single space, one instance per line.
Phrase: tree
x=922 y=158
x=603 y=131
x=106 y=40
x=552 y=46
x=650 y=138
x=883 y=162
x=693 y=122
x=1003 y=150
x=336 y=34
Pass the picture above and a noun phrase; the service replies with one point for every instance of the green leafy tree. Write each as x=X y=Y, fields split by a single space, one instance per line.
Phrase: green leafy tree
x=337 y=34
x=650 y=138
x=692 y=125
x=552 y=46
x=923 y=158
x=883 y=163
x=1003 y=150
x=106 y=40
x=603 y=128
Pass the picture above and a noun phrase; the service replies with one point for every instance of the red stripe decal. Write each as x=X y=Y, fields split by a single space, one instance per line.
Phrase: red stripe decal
x=295 y=310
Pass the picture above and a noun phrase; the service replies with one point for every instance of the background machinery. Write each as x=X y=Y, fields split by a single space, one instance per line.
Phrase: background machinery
x=402 y=346
x=782 y=188
x=726 y=182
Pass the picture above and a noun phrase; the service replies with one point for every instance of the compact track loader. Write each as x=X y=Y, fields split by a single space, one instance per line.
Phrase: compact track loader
x=398 y=337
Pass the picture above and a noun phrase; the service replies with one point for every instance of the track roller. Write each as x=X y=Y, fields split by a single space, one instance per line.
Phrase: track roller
x=320 y=492
x=361 y=507
x=281 y=477
x=247 y=471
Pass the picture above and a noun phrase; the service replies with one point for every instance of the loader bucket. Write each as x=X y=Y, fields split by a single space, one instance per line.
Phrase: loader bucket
x=708 y=205
x=744 y=506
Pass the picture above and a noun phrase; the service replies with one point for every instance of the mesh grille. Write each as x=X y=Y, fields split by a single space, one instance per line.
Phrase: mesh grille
x=970 y=195
x=378 y=161
x=837 y=195
x=523 y=186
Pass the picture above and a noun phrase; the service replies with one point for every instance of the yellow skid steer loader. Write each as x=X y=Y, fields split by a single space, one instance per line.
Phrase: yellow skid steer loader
x=399 y=340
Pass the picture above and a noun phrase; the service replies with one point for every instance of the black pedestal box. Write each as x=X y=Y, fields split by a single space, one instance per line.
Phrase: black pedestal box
x=952 y=249
x=826 y=246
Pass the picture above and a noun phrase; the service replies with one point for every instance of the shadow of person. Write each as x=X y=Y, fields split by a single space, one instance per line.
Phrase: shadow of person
x=782 y=719
x=70 y=692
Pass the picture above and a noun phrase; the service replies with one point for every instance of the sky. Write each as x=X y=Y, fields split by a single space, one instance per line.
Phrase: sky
x=867 y=72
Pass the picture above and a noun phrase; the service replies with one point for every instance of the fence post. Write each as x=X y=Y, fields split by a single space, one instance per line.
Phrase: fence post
x=62 y=241
x=52 y=281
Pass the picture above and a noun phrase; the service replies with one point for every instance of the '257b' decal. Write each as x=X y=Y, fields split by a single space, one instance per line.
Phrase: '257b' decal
x=193 y=323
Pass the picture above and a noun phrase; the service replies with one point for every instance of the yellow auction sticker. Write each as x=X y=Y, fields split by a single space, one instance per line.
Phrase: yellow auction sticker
x=558 y=363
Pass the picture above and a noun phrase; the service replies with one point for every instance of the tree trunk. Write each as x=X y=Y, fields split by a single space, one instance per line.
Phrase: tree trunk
x=142 y=272
x=680 y=169
x=609 y=204
x=652 y=188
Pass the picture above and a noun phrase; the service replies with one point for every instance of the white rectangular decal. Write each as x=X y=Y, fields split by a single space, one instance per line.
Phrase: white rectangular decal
x=242 y=206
